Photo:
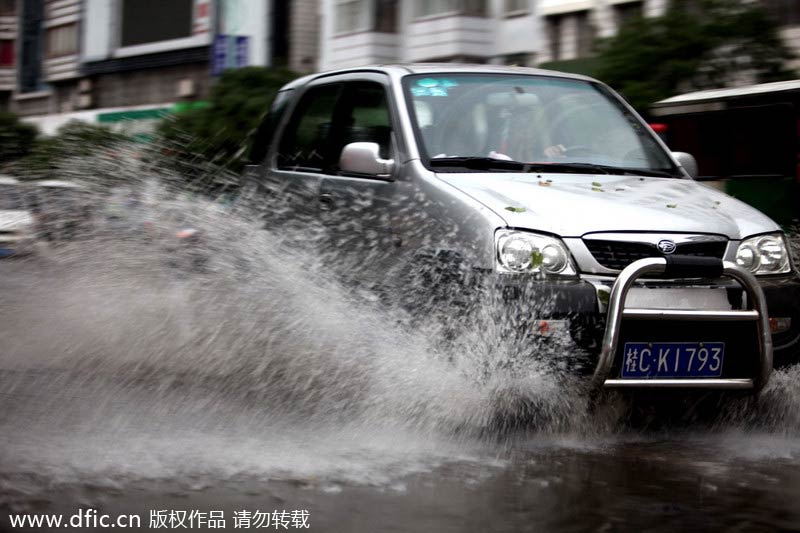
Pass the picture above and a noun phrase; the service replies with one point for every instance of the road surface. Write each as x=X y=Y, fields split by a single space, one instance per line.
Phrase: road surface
x=137 y=394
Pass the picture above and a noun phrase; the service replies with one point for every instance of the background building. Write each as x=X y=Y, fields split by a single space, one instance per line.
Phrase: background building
x=357 y=32
x=557 y=33
x=68 y=56
x=8 y=45
x=141 y=56
x=46 y=53
x=572 y=26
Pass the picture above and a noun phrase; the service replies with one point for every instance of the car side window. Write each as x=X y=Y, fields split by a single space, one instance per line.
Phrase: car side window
x=367 y=117
x=266 y=130
x=305 y=143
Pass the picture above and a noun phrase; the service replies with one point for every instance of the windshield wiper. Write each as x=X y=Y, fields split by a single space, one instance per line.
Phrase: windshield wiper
x=640 y=171
x=479 y=163
x=491 y=163
x=598 y=169
x=573 y=168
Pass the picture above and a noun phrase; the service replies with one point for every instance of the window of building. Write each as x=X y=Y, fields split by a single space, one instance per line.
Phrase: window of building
x=6 y=53
x=554 y=36
x=517 y=6
x=305 y=144
x=150 y=21
x=7 y=8
x=626 y=12
x=30 y=46
x=366 y=15
x=352 y=16
x=62 y=40
x=426 y=8
x=386 y=16
x=586 y=34
x=786 y=12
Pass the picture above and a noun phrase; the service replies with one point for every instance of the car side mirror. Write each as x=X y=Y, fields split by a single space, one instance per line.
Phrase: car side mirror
x=364 y=158
x=688 y=162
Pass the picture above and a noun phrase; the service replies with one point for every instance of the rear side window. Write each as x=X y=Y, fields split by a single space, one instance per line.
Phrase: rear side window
x=305 y=144
x=266 y=130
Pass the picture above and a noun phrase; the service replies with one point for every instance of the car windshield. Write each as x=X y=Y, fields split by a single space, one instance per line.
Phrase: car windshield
x=461 y=119
x=10 y=198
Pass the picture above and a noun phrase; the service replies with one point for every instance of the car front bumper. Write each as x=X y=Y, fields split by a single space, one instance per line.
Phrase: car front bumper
x=582 y=304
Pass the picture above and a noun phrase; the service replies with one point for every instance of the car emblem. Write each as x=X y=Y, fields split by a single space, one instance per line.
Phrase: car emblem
x=667 y=247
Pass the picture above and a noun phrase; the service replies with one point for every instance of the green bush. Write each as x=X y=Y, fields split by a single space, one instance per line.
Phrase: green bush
x=16 y=138
x=220 y=134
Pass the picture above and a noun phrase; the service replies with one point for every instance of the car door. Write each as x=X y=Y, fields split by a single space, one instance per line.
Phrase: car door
x=357 y=209
x=295 y=163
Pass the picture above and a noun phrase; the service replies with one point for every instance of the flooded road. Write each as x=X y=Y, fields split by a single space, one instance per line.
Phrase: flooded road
x=129 y=453
x=132 y=389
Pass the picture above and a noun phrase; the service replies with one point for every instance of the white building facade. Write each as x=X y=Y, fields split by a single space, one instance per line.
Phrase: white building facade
x=359 y=32
x=571 y=26
x=522 y=32
x=71 y=56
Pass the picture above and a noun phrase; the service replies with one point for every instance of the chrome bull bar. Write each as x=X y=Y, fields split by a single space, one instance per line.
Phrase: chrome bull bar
x=681 y=267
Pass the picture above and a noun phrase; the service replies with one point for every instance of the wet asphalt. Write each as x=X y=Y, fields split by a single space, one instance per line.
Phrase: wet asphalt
x=71 y=438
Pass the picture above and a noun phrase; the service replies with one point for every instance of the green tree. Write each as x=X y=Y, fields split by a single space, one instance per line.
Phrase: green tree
x=693 y=46
x=220 y=134
x=16 y=137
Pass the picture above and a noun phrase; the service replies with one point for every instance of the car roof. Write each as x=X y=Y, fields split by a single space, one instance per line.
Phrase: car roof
x=438 y=68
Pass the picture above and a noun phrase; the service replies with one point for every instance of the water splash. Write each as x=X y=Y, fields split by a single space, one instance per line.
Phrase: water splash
x=244 y=354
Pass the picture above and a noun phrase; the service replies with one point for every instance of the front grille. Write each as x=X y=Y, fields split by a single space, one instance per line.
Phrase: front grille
x=616 y=255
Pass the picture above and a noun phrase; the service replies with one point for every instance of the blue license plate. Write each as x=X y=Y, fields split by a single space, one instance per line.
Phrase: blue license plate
x=672 y=359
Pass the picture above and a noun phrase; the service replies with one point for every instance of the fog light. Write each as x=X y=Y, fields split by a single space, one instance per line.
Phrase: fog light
x=779 y=325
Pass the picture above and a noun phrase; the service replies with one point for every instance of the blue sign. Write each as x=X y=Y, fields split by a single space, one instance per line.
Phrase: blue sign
x=218 y=54
x=229 y=51
x=242 y=46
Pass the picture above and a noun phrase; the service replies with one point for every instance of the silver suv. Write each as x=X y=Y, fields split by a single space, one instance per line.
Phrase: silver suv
x=549 y=188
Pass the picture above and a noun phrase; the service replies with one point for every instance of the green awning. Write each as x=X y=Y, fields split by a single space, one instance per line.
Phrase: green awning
x=138 y=114
x=148 y=114
x=180 y=107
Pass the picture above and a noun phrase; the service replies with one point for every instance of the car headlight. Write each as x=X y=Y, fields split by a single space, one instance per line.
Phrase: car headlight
x=765 y=254
x=530 y=253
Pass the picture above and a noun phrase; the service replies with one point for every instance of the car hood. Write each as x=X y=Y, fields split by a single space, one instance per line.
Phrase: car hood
x=571 y=205
x=15 y=220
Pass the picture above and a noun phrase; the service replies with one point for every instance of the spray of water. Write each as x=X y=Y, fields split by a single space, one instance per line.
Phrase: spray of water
x=242 y=309
x=177 y=320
